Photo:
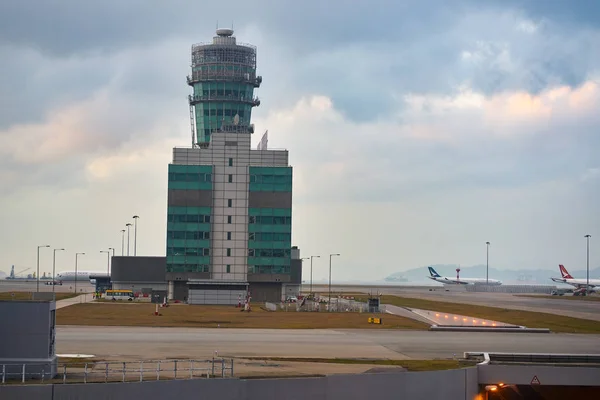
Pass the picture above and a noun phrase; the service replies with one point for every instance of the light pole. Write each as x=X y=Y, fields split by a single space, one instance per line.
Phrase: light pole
x=487 y=262
x=38 y=266
x=113 y=254
x=122 y=242
x=311 y=258
x=135 y=218
x=588 y=263
x=128 y=225
x=331 y=255
x=107 y=259
x=54 y=267
x=76 y=254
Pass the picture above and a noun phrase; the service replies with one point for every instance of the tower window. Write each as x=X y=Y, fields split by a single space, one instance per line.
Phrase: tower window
x=230 y=178
x=228 y=235
x=228 y=268
x=228 y=252
x=231 y=162
x=229 y=202
x=229 y=219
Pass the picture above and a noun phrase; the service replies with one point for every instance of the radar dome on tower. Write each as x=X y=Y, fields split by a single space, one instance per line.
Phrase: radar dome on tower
x=224 y=32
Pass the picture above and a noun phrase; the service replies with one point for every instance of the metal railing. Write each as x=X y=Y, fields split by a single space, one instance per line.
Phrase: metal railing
x=117 y=371
x=336 y=305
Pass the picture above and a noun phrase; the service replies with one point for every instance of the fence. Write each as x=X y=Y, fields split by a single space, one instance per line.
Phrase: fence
x=336 y=305
x=116 y=371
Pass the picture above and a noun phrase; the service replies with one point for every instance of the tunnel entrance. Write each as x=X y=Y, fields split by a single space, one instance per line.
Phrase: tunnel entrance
x=539 y=392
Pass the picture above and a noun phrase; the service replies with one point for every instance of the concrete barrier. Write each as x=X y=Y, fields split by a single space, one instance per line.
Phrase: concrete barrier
x=453 y=384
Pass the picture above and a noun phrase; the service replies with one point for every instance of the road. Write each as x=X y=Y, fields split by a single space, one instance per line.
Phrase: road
x=31 y=286
x=118 y=343
x=571 y=308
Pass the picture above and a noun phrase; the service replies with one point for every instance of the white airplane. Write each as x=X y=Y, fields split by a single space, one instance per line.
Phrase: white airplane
x=68 y=276
x=433 y=275
x=578 y=283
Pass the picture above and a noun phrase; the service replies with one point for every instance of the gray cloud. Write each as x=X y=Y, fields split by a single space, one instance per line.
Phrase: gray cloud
x=85 y=86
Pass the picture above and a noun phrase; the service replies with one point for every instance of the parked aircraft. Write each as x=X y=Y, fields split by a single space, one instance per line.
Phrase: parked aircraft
x=433 y=275
x=68 y=276
x=594 y=284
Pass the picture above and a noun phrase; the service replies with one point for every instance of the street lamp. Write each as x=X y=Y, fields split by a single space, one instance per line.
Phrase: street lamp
x=128 y=225
x=38 y=266
x=107 y=259
x=54 y=267
x=487 y=262
x=76 y=254
x=135 y=218
x=113 y=254
x=311 y=258
x=588 y=262
x=331 y=255
x=122 y=242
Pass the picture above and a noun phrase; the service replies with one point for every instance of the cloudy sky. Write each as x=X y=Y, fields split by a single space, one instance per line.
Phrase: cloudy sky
x=418 y=130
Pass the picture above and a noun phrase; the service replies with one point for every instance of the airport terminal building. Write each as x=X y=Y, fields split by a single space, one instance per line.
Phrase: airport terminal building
x=229 y=207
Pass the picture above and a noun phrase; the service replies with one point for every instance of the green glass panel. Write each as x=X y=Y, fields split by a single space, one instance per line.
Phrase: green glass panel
x=190 y=227
x=189 y=210
x=276 y=212
x=269 y=228
x=190 y=185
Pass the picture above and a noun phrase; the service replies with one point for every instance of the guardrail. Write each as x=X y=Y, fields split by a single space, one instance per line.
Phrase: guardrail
x=117 y=371
x=540 y=358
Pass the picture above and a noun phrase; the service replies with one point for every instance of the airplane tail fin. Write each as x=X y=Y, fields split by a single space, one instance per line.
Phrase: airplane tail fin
x=433 y=273
x=563 y=271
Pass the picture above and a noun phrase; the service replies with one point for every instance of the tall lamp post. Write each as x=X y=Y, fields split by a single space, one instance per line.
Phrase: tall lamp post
x=107 y=258
x=331 y=255
x=122 y=242
x=113 y=254
x=311 y=265
x=38 y=266
x=54 y=268
x=128 y=225
x=135 y=218
x=76 y=254
x=487 y=262
x=588 y=263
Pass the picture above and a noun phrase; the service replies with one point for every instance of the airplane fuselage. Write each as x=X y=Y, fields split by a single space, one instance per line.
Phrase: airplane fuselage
x=81 y=275
x=578 y=282
x=465 y=281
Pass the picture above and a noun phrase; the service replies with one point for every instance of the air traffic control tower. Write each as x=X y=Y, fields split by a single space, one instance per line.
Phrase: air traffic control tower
x=229 y=217
x=223 y=78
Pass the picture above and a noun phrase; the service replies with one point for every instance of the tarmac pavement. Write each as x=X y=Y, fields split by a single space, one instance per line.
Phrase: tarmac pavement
x=138 y=343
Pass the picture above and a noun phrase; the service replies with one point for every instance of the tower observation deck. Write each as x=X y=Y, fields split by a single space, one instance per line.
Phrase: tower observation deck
x=223 y=80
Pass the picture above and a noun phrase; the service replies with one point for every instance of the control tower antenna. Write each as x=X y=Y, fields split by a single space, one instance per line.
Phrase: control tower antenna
x=223 y=79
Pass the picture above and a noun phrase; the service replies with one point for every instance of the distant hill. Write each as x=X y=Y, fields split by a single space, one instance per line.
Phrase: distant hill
x=523 y=276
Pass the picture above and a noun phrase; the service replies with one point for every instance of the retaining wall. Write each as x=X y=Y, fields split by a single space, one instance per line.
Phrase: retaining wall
x=454 y=384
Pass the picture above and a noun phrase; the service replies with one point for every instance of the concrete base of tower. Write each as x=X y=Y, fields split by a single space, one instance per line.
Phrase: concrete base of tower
x=266 y=291
x=216 y=292
x=219 y=292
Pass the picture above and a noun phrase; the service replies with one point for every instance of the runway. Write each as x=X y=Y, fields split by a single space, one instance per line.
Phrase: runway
x=570 y=308
x=136 y=343
x=31 y=286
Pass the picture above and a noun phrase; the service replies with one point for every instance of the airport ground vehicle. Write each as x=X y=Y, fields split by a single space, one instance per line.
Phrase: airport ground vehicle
x=119 y=295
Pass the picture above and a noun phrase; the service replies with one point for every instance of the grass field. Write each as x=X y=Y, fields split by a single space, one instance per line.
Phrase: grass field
x=411 y=365
x=573 y=298
x=140 y=314
x=28 y=295
x=556 y=323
